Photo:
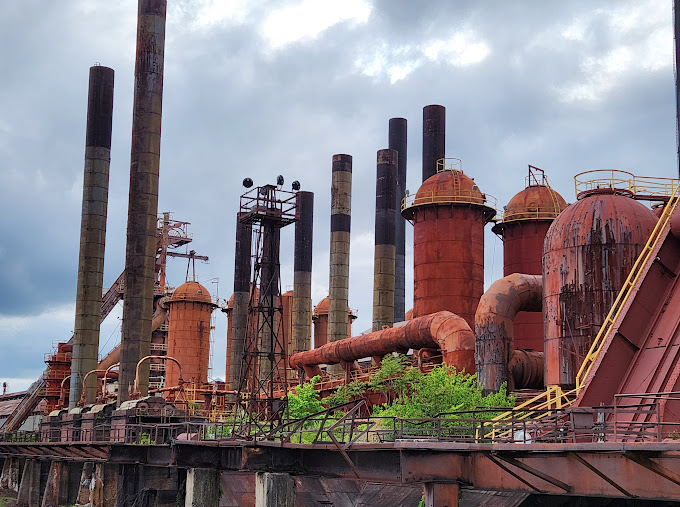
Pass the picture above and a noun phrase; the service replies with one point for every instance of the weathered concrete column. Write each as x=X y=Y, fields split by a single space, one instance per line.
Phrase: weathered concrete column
x=140 y=252
x=203 y=488
x=92 y=233
x=9 y=478
x=397 y=141
x=239 y=315
x=434 y=138
x=83 y=496
x=441 y=495
x=385 y=216
x=56 y=489
x=29 y=489
x=338 y=285
x=301 y=327
x=274 y=490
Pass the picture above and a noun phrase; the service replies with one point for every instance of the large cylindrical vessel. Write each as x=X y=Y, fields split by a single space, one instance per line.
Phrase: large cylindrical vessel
x=397 y=141
x=92 y=233
x=189 y=334
x=384 y=253
x=320 y=321
x=238 y=321
x=526 y=220
x=140 y=252
x=434 y=138
x=588 y=252
x=301 y=324
x=448 y=215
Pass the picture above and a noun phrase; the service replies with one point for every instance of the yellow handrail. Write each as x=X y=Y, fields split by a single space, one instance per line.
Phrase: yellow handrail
x=624 y=181
x=626 y=290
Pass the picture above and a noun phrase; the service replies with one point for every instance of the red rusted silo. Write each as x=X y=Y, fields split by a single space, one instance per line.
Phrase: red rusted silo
x=525 y=222
x=189 y=333
x=448 y=214
x=587 y=255
x=320 y=321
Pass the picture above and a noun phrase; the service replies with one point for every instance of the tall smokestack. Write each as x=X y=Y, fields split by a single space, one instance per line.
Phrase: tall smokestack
x=239 y=316
x=338 y=285
x=302 y=275
x=92 y=233
x=140 y=253
x=397 y=141
x=434 y=138
x=385 y=218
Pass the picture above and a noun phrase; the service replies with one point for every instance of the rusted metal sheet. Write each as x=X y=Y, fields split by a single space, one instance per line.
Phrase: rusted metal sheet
x=588 y=253
x=443 y=329
x=397 y=141
x=448 y=215
x=434 y=138
x=494 y=328
x=92 y=232
x=384 y=252
x=189 y=334
x=140 y=254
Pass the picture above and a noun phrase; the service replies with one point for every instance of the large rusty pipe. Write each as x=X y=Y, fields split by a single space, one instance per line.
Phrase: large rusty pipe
x=434 y=138
x=136 y=391
x=106 y=375
x=140 y=252
x=239 y=315
x=397 y=141
x=92 y=232
x=444 y=330
x=384 y=253
x=338 y=284
x=526 y=369
x=494 y=332
x=301 y=325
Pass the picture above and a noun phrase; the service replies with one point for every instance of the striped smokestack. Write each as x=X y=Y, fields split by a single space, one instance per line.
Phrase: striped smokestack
x=338 y=285
x=385 y=217
x=92 y=233
x=434 y=138
x=302 y=276
x=397 y=141
x=239 y=315
x=140 y=253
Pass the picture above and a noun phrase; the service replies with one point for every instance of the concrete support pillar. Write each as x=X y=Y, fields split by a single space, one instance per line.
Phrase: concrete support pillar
x=397 y=141
x=29 y=489
x=434 y=138
x=441 y=495
x=140 y=252
x=56 y=489
x=83 y=496
x=301 y=326
x=338 y=285
x=274 y=490
x=203 y=488
x=9 y=478
x=385 y=216
x=239 y=316
x=92 y=234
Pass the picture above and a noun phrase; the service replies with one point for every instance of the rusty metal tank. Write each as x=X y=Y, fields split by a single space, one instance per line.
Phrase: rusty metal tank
x=320 y=321
x=587 y=254
x=523 y=226
x=448 y=214
x=189 y=333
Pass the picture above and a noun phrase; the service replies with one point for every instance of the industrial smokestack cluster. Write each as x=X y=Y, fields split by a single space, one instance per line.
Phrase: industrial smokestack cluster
x=92 y=233
x=140 y=252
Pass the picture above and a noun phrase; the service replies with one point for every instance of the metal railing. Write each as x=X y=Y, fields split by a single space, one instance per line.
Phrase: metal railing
x=638 y=187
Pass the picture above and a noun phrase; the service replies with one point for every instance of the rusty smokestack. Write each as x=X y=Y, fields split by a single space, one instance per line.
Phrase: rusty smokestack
x=302 y=275
x=434 y=138
x=140 y=253
x=397 y=141
x=239 y=316
x=92 y=233
x=338 y=285
x=385 y=217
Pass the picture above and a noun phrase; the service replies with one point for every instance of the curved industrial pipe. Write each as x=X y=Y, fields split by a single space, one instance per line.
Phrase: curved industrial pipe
x=494 y=332
x=62 y=399
x=159 y=316
x=136 y=392
x=526 y=369
x=82 y=402
x=444 y=330
x=106 y=374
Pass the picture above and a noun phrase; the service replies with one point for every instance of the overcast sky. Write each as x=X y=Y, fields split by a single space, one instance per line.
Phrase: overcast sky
x=260 y=88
